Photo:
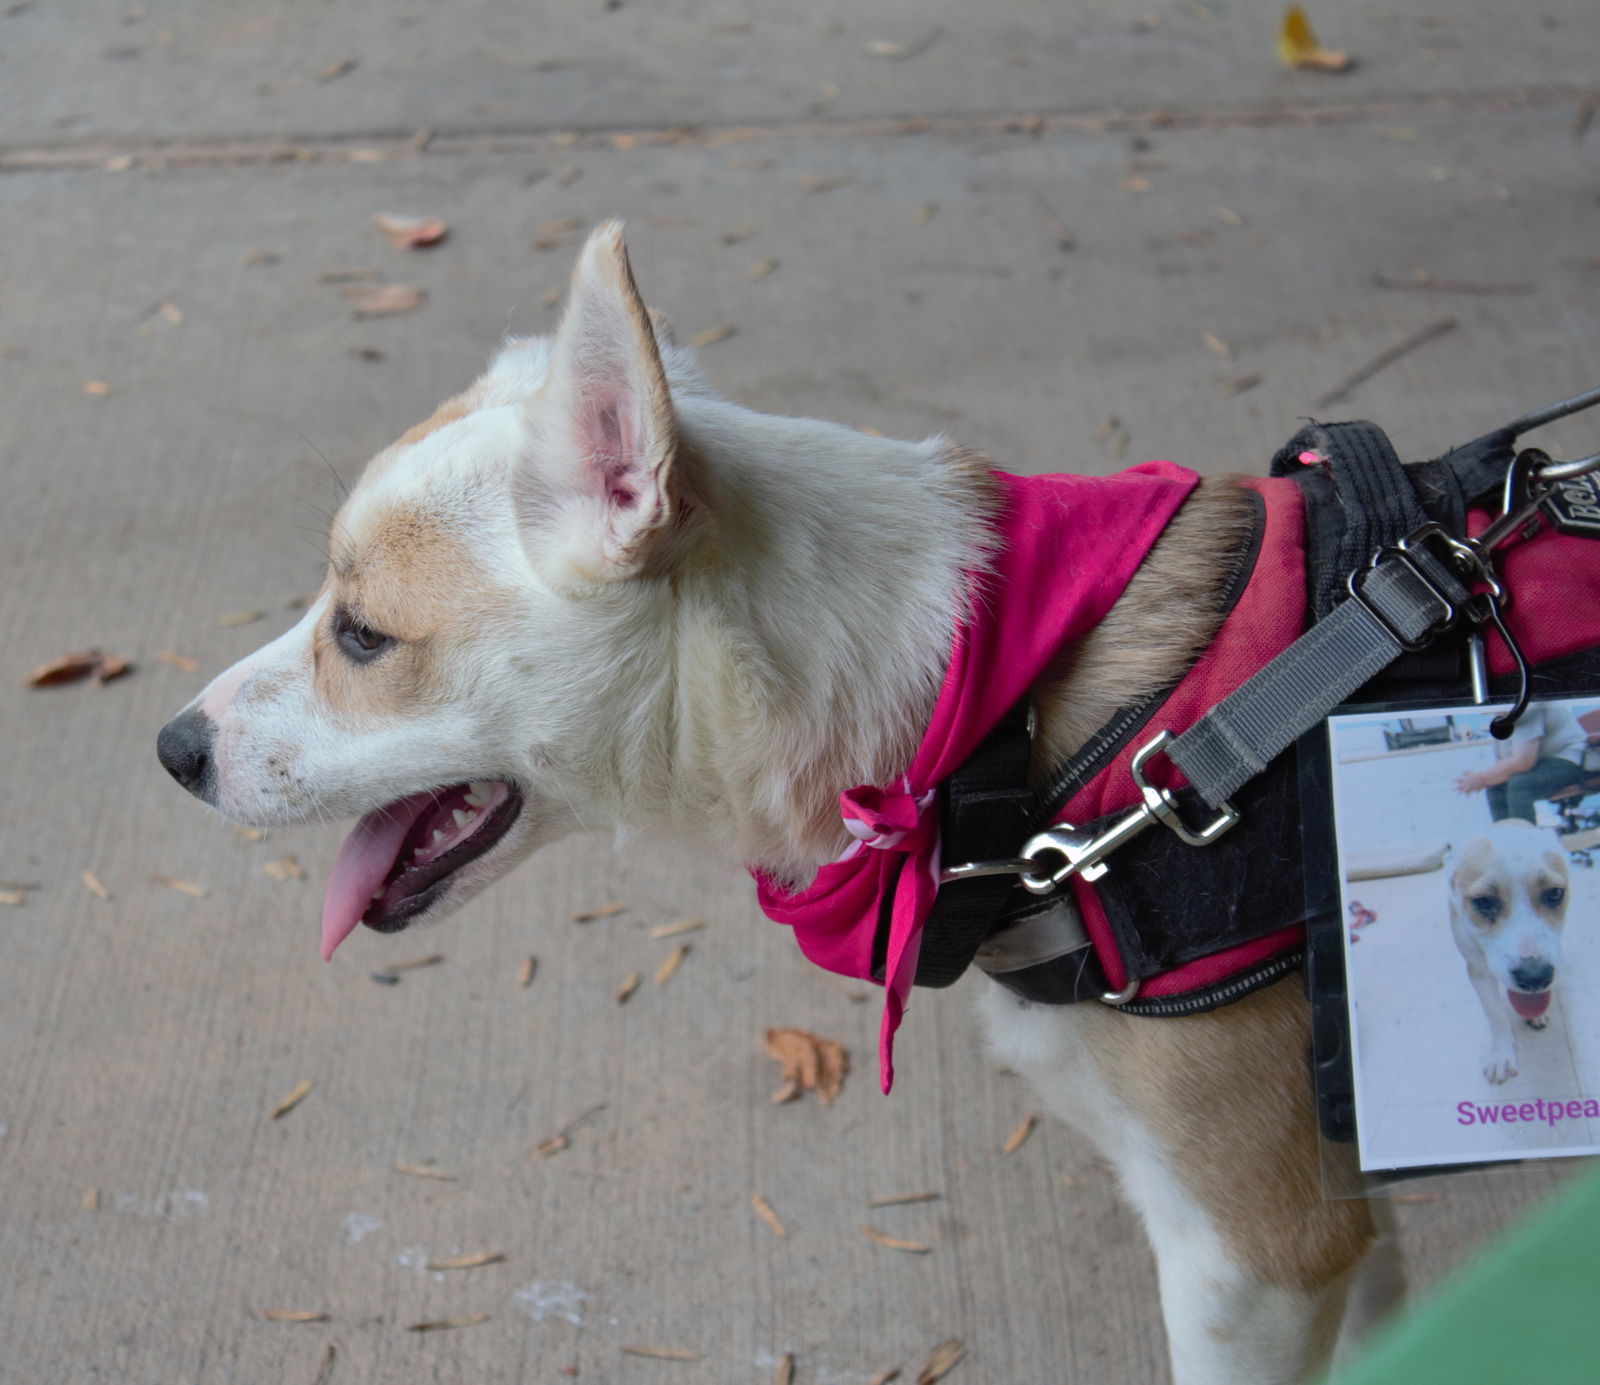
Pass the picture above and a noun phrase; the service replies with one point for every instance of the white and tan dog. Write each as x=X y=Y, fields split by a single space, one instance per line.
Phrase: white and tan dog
x=587 y=590
x=1508 y=905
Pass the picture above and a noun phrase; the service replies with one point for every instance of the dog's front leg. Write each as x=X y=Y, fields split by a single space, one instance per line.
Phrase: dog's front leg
x=1209 y=1124
x=1500 y=1064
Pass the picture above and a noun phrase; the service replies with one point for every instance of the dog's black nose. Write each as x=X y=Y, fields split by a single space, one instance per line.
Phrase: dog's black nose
x=1533 y=974
x=184 y=746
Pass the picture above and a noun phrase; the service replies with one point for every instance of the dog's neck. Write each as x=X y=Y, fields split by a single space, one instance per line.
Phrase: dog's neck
x=813 y=601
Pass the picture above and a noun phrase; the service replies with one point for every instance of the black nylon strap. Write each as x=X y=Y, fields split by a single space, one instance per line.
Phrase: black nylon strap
x=985 y=811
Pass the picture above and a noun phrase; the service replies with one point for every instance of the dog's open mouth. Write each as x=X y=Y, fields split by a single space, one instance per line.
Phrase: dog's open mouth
x=1529 y=1004
x=399 y=858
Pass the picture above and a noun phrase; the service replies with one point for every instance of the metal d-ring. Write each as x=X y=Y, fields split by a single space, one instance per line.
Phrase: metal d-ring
x=1121 y=997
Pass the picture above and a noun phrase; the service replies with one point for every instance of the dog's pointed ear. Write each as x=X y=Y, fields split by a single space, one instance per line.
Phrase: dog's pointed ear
x=608 y=415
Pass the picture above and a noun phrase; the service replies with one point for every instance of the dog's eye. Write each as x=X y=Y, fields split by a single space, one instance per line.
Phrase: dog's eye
x=360 y=642
x=1553 y=897
x=1487 y=905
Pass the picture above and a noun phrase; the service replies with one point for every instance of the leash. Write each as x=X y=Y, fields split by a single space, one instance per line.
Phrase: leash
x=1392 y=570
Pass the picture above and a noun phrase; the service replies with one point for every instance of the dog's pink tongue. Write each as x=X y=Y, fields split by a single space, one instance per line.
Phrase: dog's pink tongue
x=363 y=862
x=1530 y=1007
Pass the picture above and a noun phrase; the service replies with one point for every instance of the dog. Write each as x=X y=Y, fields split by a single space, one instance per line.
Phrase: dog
x=587 y=590
x=1508 y=905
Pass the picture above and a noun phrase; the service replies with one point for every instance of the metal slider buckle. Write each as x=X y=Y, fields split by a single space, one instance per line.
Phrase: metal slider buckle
x=1466 y=553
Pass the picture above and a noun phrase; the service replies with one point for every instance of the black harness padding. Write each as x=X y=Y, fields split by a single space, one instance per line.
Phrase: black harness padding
x=985 y=813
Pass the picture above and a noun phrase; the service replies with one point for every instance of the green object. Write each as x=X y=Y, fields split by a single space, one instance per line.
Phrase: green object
x=1527 y=1312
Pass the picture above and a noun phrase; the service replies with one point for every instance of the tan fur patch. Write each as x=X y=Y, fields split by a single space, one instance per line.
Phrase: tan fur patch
x=448 y=412
x=1166 y=615
x=407 y=574
x=1228 y=1094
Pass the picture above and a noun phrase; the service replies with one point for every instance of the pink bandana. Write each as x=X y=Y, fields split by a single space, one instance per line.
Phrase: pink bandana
x=1069 y=546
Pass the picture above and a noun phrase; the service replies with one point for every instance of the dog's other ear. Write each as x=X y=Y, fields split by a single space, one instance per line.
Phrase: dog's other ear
x=608 y=416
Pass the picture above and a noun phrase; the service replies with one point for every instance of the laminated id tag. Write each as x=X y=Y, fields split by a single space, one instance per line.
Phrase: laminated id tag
x=1453 y=886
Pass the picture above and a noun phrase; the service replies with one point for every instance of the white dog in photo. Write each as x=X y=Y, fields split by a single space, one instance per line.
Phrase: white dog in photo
x=1508 y=904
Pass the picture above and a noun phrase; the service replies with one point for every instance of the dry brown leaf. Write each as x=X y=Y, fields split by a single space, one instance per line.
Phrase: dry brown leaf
x=334 y=70
x=789 y=1091
x=446 y=1324
x=761 y=268
x=817 y=1065
x=925 y=213
x=256 y=258
x=811 y=183
x=630 y=983
x=112 y=666
x=92 y=881
x=294 y=1315
x=1136 y=182
x=945 y=1358
x=233 y=618
x=1212 y=342
x=426 y=1171
x=178 y=661
x=669 y=966
x=884 y=48
x=671 y=930
x=187 y=887
x=383 y=300
x=664 y=1353
x=1240 y=383
x=433 y=959
x=894 y=1242
x=884 y=1377
x=98 y=388
x=468 y=1262
x=325 y=1370
x=738 y=234
x=12 y=896
x=411 y=232
x=91 y=1199
x=712 y=335
x=783 y=1372
x=526 y=970
x=299 y=1094
x=605 y=911
x=1227 y=216
x=763 y=1209
x=1016 y=1137
x=1298 y=46
x=896 y=1199
x=249 y=834
x=282 y=869
x=72 y=668
x=171 y=312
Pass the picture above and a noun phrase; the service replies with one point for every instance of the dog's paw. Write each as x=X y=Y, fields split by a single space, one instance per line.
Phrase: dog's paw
x=1501 y=1065
x=1538 y=1022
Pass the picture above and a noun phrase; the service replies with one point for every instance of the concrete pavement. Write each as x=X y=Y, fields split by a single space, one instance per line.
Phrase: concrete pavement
x=178 y=189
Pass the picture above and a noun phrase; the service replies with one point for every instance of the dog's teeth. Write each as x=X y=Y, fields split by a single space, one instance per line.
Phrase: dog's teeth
x=463 y=818
x=478 y=795
x=377 y=894
x=439 y=836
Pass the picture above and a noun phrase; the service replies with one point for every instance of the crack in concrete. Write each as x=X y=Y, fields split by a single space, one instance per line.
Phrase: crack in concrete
x=125 y=155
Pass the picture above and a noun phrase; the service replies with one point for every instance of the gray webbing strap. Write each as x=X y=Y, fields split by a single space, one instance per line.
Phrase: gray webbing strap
x=1242 y=734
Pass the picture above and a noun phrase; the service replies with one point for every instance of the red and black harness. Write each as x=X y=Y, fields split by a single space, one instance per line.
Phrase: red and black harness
x=1364 y=580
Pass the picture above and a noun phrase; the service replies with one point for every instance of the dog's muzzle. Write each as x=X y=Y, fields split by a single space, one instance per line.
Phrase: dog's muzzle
x=185 y=748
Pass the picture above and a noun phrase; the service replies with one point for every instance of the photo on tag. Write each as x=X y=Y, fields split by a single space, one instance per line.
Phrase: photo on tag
x=1468 y=873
